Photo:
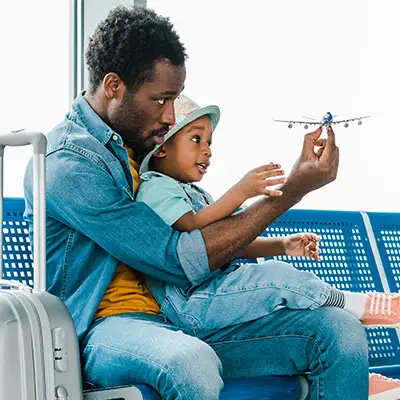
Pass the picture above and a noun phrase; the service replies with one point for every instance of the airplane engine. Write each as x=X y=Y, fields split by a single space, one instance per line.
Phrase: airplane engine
x=290 y=126
x=306 y=126
x=346 y=125
x=359 y=122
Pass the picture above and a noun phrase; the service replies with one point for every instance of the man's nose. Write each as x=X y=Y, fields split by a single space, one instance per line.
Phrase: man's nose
x=168 y=115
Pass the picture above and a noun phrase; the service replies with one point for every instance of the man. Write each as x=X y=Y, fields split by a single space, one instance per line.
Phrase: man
x=100 y=242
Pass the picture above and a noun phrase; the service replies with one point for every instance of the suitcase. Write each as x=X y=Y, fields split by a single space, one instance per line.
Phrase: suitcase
x=39 y=350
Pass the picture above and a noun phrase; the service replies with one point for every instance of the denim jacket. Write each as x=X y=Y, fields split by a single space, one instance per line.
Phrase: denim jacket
x=93 y=221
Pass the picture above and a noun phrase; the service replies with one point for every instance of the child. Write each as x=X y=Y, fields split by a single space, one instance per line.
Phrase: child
x=239 y=293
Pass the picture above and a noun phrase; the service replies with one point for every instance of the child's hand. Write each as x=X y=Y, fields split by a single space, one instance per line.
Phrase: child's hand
x=256 y=181
x=302 y=245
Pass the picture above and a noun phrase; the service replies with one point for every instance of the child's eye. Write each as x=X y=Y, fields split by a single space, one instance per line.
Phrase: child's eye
x=209 y=143
x=196 y=139
x=161 y=101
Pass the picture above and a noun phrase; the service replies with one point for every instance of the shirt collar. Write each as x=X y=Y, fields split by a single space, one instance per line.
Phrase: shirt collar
x=94 y=124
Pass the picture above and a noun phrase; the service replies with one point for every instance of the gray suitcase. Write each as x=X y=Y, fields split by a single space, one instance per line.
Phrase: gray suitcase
x=39 y=351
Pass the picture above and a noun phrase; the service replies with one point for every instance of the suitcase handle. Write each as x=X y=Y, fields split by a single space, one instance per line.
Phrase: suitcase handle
x=23 y=138
x=39 y=143
x=15 y=284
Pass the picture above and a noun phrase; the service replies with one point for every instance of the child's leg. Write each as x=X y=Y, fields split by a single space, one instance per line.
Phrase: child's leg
x=247 y=293
x=256 y=290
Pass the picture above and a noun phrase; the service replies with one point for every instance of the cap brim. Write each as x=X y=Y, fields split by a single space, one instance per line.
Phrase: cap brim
x=212 y=112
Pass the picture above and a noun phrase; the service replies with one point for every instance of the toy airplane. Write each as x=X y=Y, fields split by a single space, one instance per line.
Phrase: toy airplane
x=327 y=120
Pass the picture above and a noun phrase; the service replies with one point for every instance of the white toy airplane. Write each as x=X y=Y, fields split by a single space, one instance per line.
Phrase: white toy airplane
x=327 y=120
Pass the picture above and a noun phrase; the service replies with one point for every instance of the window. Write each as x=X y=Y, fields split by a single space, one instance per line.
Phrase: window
x=34 y=70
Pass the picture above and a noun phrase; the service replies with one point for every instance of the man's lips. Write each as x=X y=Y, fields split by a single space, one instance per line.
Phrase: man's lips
x=159 y=139
x=159 y=135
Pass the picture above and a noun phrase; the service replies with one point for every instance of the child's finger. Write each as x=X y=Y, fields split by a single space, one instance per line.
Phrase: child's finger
x=273 y=181
x=267 y=167
x=273 y=193
x=271 y=173
x=311 y=236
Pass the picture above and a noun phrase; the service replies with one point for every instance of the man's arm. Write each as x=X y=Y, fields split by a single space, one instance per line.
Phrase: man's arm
x=226 y=240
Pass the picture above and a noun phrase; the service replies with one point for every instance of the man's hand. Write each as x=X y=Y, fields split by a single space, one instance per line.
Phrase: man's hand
x=257 y=181
x=315 y=167
x=302 y=245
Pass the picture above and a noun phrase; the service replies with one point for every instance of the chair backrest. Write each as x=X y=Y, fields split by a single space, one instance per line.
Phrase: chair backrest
x=347 y=263
x=17 y=256
x=386 y=229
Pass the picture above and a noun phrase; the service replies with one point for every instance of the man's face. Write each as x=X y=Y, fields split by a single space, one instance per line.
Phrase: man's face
x=142 y=118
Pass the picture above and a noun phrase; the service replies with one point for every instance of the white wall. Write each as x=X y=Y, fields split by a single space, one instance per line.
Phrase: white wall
x=34 y=75
x=260 y=60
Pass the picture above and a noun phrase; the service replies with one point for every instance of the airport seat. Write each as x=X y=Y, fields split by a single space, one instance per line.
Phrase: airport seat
x=17 y=265
x=386 y=230
x=348 y=263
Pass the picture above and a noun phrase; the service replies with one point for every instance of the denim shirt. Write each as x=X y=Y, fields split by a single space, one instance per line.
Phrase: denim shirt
x=93 y=221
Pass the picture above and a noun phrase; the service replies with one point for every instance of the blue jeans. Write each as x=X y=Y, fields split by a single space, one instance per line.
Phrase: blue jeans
x=326 y=343
x=239 y=295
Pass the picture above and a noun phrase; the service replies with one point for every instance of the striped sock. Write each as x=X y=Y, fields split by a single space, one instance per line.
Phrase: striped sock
x=335 y=299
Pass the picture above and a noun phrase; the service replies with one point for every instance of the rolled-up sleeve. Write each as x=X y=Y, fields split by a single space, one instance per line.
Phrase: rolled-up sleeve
x=83 y=195
x=193 y=256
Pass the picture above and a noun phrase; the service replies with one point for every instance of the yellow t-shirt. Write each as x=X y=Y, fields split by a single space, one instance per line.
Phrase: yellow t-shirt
x=128 y=291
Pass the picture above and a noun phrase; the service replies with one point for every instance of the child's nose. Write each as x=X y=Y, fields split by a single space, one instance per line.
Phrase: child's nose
x=207 y=151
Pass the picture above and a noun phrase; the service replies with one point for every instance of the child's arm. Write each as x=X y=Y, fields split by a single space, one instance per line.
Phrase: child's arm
x=297 y=245
x=254 y=183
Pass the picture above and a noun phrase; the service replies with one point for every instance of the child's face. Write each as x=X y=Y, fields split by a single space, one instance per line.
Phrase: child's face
x=186 y=156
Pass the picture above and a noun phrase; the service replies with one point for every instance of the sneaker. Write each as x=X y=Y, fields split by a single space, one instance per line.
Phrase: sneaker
x=383 y=388
x=382 y=309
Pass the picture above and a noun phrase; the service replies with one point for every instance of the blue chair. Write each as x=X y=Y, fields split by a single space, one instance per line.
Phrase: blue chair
x=17 y=265
x=348 y=263
x=386 y=229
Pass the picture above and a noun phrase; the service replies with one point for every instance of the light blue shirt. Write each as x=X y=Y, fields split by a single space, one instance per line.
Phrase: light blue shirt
x=169 y=198
x=93 y=222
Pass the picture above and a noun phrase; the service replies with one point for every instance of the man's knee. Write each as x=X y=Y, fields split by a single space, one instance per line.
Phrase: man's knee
x=341 y=332
x=194 y=370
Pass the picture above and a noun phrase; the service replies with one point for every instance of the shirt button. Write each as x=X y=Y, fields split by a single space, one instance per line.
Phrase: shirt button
x=115 y=137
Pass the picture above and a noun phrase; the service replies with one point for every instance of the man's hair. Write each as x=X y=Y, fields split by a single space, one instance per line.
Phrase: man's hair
x=128 y=42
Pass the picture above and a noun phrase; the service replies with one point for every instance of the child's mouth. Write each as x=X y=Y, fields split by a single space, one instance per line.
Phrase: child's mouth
x=202 y=167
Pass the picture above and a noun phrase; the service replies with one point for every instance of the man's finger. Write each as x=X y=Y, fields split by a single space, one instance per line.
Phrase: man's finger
x=320 y=142
x=309 y=140
x=331 y=140
x=330 y=149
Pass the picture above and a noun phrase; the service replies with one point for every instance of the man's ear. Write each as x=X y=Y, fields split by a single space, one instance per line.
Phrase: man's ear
x=113 y=86
x=160 y=152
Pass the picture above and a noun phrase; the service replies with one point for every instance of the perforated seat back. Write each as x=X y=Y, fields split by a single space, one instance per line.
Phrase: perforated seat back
x=17 y=256
x=386 y=228
x=347 y=263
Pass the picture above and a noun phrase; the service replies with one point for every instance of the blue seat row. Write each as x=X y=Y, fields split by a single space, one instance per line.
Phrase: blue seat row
x=360 y=252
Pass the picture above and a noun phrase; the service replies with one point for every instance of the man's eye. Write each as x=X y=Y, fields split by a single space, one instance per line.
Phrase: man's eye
x=161 y=101
x=196 y=139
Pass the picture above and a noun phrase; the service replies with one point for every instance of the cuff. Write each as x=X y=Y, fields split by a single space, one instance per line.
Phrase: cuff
x=193 y=257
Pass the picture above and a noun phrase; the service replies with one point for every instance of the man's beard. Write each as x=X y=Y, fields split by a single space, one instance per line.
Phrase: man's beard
x=132 y=128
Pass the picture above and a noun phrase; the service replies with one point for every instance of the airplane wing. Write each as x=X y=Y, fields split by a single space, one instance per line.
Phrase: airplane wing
x=350 y=120
x=298 y=122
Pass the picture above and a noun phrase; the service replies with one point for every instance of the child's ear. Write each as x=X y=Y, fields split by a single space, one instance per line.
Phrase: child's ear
x=160 y=152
